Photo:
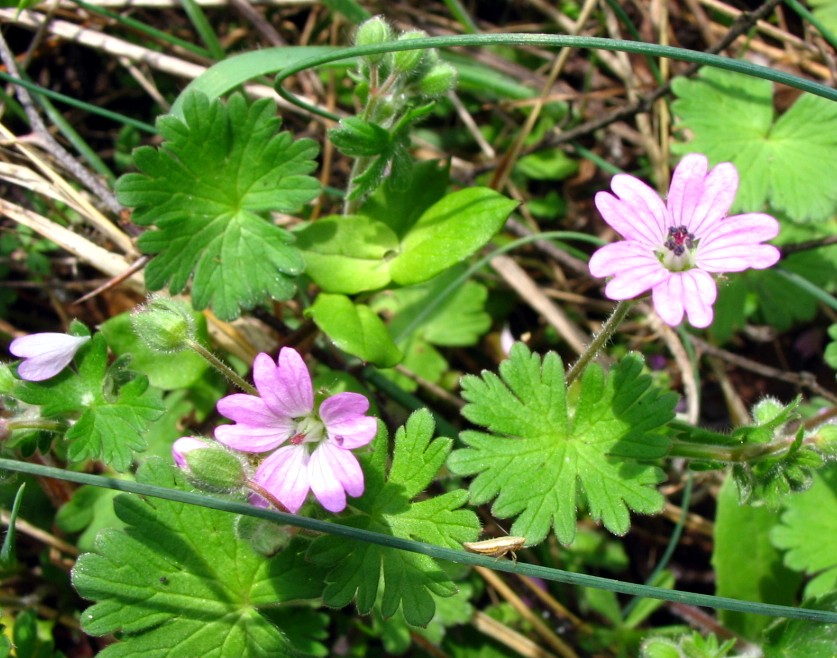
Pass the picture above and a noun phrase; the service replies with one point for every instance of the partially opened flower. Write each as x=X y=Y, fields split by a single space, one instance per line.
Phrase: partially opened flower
x=45 y=355
x=208 y=464
x=310 y=450
x=674 y=248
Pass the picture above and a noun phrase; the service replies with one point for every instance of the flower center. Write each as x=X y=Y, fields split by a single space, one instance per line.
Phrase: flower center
x=308 y=430
x=677 y=250
x=679 y=239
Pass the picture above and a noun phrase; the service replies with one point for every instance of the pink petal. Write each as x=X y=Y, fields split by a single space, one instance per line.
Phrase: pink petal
x=257 y=428
x=709 y=200
x=342 y=415
x=692 y=292
x=634 y=266
x=686 y=185
x=700 y=293
x=744 y=229
x=733 y=245
x=285 y=387
x=734 y=259
x=637 y=214
x=618 y=257
x=696 y=199
x=45 y=354
x=334 y=472
x=353 y=433
x=285 y=475
x=247 y=409
x=343 y=406
x=668 y=300
x=249 y=438
x=628 y=286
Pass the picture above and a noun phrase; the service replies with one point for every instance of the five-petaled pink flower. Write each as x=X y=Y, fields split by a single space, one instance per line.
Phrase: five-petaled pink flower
x=316 y=454
x=673 y=248
x=45 y=355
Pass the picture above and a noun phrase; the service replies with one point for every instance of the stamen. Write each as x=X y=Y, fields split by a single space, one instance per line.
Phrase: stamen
x=679 y=240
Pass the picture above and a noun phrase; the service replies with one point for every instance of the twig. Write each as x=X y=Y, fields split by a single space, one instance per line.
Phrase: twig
x=49 y=143
x=743 y=23
x=803 y=379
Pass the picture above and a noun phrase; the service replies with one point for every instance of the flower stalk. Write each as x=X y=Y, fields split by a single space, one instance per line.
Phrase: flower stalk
x=741 y=453
x=229 y=374
x=608 y=329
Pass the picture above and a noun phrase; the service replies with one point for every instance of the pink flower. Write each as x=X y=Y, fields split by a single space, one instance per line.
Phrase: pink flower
x=317 y=452
x=674 y=248
x=45 y=355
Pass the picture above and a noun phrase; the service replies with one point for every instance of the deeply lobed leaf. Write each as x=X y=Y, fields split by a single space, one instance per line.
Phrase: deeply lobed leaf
x=542 y=451
x=110 y=421
x=209 y=191
x=397 y=579
x=178 y=582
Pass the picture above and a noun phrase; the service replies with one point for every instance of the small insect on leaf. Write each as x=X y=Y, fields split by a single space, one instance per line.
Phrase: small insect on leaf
x=496 y=547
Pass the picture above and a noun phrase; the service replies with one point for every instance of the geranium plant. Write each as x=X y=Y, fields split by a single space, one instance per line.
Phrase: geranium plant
x=351 y=332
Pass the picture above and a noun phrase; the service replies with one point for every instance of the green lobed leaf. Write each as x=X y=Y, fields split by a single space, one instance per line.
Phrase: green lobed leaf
x=754 y=574
x=209 y=191
x=178 y=583
x=808 y=532
x=448 y=232
x=355 y=329
x=398 y=580
x=781 y=162
x=541 y=452
x=347 y=254
x=111 y=419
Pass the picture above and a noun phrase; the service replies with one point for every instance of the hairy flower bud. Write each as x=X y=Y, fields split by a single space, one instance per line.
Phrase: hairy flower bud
x=373 y=32
x=406 y=61
x=209 y=466
x=438 y=81
x=165 y=325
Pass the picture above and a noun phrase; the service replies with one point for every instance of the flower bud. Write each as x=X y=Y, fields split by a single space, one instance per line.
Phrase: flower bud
x=208 y=466
x=438 y=81
x=164 y=324
x=406 y=61
x=372 y=32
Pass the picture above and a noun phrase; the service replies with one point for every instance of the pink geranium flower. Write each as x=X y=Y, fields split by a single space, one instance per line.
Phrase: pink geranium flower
x=45 y=355
x=315 y=452
x=674 y=248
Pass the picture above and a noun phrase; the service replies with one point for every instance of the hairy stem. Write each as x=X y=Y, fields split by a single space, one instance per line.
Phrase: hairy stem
x=600 y=339
x=230 y=374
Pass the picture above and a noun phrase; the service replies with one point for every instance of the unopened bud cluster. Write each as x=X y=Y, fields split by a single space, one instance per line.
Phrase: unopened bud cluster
x=402 y=74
